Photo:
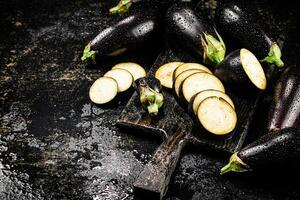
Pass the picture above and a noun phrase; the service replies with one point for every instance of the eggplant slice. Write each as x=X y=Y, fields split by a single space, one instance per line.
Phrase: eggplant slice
x=183 y=75
x=199 y=82
x=123 y=78
x=216 y=116
x=165 y=73
x=199 y=97
x=135 y=70
x=187 y=66
x=103 y=90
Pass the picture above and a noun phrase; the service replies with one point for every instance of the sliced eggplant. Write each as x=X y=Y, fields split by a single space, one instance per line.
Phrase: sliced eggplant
x=136 y=70
x=241 y=68
x=187 y=66
x=103 y=90
x=198 y=82
x=123 y=78
x=180 y=78
x=199 y=97
x=216 y=116
x=165 y=73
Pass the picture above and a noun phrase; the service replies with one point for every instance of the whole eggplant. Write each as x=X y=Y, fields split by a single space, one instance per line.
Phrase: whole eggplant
x=195 y=33
x=124 y=5
x=240 y=24
x=278 y=150
x=150 y=92
x=285 y=107
x=131 y=32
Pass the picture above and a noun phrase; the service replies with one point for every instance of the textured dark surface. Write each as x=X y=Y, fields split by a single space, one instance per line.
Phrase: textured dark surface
x=55 y=144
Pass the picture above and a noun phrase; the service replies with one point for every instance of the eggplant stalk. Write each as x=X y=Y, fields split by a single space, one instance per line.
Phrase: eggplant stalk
x=235 y=165
x=151 y=99
x=88 y=54
x=274 y=56
x=122 y=7
x=214 y=49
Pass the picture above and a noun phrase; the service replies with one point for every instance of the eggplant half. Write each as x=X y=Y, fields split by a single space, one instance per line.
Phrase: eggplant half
x=129 y=33
x=195 y=33
x=239 y=23
x=278 y=150
x=285 y=107
x=198 y=82
x=103 y=90
x=151 y=97
x=124 y=5
x=216 y=116
x=241 y=68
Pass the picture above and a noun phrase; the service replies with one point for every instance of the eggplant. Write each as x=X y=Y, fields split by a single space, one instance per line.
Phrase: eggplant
x=279 y=150
x=216 y=116
x=241 y=68
x=195 y=33
x=131 y=32
x=103 y=90
x=151 y=97
x=188 y=66
x=285 y=107
x=124 y=5
x=240 y=24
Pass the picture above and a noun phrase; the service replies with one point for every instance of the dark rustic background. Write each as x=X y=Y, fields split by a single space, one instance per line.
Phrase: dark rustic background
x=55 y=144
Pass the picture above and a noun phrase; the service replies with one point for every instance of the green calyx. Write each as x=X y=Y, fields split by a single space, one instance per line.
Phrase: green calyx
x=122 y=7
x=88 y=54
x=151 y=99
x=274 y=56
x=235 y=165
x=214 y=49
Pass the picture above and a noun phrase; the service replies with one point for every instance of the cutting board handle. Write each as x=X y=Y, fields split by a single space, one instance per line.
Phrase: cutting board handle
x=154 y=179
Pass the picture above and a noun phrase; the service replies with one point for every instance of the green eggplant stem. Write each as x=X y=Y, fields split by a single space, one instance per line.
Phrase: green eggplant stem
x=88 y=54
x=122 y=7
x=151 y=99
x=274 y=56
x=214 y=49
x=235 y=165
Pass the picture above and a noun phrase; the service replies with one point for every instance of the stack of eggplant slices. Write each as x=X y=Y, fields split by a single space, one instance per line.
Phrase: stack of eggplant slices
x=199 y=88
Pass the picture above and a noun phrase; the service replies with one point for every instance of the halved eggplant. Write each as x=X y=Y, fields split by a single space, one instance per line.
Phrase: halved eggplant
x=198 y=82
x=123 y=78
x=165 y=73
x=199 y=97
x=187 y=66
x=277 y=151
x=103 y=90
x=241 y=68
x=216 y=116
x=180 y=78
x=195 y=33
x=136 y=70
x=241 y=24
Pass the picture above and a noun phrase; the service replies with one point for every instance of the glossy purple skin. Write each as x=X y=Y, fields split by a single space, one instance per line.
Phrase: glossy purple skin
x=285 y=108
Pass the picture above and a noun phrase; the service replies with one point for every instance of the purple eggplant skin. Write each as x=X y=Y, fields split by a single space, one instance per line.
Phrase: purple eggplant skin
x=194 y=33
x=132 y=31
x=239 y=23
x=279 y=150
x=285 y=107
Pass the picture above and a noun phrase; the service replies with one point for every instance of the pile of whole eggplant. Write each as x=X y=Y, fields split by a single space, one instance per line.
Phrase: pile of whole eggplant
x=234 y=23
